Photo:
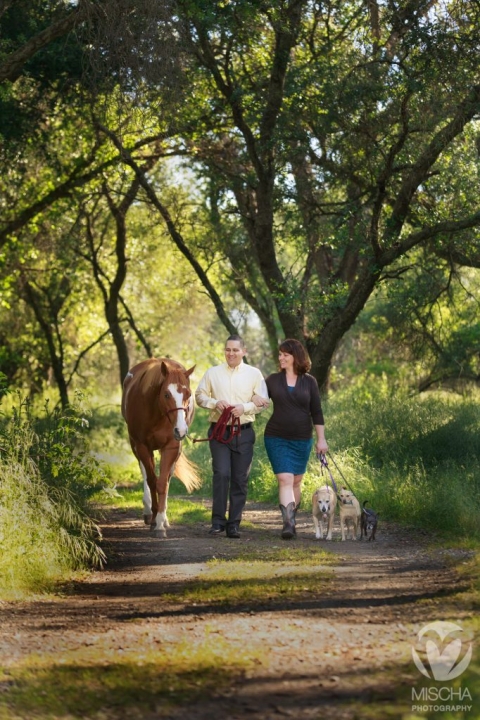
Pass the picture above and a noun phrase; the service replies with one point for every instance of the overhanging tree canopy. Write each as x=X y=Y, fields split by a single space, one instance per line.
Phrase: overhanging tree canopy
x=329 y=140
x=336 y=136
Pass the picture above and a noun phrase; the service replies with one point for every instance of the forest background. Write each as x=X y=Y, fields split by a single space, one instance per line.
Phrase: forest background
x=173 y=172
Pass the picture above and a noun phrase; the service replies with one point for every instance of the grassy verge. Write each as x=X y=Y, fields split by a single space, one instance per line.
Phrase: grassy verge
x=416 y=458
x=281 y=573
x=99 y=683
x=47 y=477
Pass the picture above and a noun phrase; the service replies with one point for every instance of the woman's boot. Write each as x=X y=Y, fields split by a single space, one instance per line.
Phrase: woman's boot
x=288 y=515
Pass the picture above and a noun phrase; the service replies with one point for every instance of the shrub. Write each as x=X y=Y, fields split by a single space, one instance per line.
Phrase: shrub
x=46 y=478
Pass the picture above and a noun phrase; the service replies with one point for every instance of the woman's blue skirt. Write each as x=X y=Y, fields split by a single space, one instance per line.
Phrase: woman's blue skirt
x=288 y=456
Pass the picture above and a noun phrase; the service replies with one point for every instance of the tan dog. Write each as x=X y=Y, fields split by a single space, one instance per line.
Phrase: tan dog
x=324 y=502
x=350 y=513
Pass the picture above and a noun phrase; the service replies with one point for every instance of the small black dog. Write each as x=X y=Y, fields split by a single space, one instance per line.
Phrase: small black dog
x=368 y=523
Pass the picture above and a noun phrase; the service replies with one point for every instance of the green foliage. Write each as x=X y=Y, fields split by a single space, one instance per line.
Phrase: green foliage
x=415 y=458
x=423 y=328
x=46 y=478
x=388 y=424
x=61 y=453
x=50 y=76
x=298 y=136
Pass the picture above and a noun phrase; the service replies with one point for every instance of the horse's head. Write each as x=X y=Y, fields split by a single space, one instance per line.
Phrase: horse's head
x=176 y=399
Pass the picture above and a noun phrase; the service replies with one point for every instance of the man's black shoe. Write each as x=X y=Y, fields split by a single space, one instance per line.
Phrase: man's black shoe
x=216 y=530
x=232 y=531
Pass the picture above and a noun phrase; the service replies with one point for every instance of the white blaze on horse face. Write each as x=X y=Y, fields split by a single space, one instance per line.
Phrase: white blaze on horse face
x=180 y=425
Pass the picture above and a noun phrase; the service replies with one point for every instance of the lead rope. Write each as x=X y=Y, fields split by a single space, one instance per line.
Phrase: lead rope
x=340 y=473
x=323 y=461
x=324 y=464
x=225 y=420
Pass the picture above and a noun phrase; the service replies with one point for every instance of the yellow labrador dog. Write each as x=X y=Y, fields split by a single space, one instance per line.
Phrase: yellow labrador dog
x=350 y=513
x=324 y=502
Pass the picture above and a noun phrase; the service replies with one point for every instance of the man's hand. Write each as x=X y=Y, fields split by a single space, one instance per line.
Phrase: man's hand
x=222 y=405
x=237 y=411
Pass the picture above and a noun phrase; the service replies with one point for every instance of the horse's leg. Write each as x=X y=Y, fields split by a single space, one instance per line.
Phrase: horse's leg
x=168 y=458
x=145 y=460
x=147 y=497
x=147 y=464
x=165 y=522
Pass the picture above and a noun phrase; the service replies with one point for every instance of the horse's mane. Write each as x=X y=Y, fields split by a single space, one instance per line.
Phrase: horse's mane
x=152 y=377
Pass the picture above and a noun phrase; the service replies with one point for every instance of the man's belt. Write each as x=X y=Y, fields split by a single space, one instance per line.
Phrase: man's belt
x=245 y=426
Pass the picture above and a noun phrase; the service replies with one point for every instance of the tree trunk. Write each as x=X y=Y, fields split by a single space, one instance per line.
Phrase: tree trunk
x=323 y=348
x=49 y=326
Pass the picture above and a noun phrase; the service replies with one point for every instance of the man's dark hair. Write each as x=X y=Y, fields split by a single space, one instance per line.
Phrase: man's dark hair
x=236 y=338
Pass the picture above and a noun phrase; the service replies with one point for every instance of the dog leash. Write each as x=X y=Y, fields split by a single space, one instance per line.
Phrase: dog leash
x=324 y=464
x=340 y=472
x=364 y=509
x=323 y=461
x=225 y=420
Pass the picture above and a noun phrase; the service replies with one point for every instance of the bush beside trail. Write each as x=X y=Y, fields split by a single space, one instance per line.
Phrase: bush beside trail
x=47 y=478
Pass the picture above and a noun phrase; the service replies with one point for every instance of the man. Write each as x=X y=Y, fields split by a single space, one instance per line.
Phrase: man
x=231 y=384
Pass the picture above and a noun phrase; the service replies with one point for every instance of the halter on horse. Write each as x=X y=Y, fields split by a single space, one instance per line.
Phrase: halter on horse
x=158 y=407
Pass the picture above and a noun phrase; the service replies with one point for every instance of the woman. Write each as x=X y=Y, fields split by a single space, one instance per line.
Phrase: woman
x=288 y=433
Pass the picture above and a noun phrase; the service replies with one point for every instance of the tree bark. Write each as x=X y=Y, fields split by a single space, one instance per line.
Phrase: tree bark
x=51 y=333
x=11 y=68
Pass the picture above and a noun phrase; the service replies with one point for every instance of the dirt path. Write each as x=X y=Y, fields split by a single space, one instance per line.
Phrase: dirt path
x=339 y=650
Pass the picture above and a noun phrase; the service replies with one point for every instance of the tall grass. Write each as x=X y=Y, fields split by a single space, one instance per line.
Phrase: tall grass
x=415 y=458
x=46 y=479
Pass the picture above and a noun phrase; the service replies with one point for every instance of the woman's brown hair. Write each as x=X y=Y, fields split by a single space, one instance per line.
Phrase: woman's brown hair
x=301 y=361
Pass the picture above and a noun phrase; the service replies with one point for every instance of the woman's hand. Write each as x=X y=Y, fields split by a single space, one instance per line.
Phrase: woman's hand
x=260 y=401
x=321 y=447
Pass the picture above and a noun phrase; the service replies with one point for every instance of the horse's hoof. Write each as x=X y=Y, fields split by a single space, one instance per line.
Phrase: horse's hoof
x=147 y=519
x=160 y=534
x=153 y=527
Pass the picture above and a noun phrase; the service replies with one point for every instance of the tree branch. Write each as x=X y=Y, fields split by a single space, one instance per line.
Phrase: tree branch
x=174 y=233
x=75 y=180
x=459 y=256
x=447 y=227
x=285 y=38
x=12 y=66
x=466 y=112
x=84 y=352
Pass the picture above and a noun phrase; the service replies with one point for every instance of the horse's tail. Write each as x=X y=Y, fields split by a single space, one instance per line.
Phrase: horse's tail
x=187 y=472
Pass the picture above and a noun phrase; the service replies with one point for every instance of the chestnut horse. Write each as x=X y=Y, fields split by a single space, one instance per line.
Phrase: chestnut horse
x=158 y=407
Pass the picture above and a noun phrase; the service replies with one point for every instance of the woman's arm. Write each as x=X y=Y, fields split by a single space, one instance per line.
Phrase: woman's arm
x=321 y=445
